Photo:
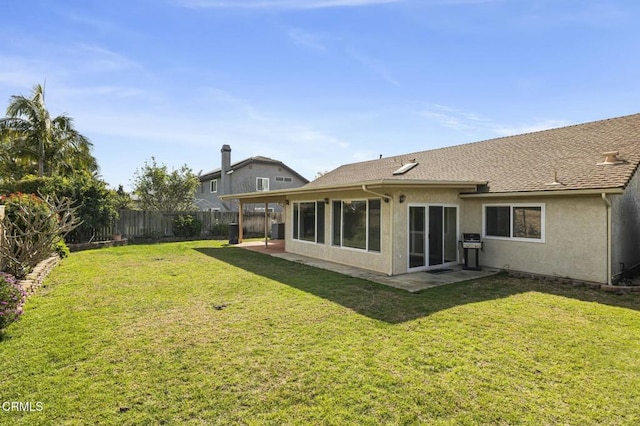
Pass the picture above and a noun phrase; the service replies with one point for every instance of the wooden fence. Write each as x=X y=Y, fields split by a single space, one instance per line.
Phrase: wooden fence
x=146 y=224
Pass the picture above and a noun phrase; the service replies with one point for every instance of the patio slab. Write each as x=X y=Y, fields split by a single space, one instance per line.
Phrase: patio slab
x=412 y=282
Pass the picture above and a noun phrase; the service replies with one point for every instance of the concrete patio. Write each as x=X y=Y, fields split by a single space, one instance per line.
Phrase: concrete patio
x=413 y=282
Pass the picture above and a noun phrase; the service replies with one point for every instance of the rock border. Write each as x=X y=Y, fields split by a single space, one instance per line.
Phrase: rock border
x=35 y=278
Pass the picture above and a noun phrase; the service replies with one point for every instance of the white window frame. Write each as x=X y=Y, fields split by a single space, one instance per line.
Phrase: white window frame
x=262 y=180
x=511 y=206
x=211 y=186
x=315 y=222
x=341 y=246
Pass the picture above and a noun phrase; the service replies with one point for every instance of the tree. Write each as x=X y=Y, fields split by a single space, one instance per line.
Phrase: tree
x=50 y=146
x=121 y=198
x=159 y=189
x=12 y=165
x=96 y=204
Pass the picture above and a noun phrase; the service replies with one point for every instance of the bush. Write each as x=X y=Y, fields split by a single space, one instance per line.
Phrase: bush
x=62 y=250
x=219 y=230
x=12 y=298
x=32 y=228
x=186 y=226
x=96 y=204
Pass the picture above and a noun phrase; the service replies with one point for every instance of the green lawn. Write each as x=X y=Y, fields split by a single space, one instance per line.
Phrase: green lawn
x=131 y=335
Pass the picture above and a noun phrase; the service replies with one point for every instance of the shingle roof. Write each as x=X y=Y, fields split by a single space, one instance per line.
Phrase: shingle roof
x=526 y=162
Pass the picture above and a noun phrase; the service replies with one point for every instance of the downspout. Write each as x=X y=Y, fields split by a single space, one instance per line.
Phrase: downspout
x=608 y=204
x=386 y=198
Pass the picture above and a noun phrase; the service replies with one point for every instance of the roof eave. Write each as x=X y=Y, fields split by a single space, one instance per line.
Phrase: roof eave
x=548 y=193
x=280 y=194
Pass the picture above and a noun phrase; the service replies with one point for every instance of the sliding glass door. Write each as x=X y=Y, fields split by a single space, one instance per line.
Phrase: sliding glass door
x=433 y=236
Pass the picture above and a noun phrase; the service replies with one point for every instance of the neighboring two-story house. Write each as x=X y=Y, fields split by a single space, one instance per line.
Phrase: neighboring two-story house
x=249 y=175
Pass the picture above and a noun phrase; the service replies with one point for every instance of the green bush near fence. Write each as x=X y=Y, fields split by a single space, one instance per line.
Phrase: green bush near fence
x=96 y=204
x=186 y=226
x=219 y=230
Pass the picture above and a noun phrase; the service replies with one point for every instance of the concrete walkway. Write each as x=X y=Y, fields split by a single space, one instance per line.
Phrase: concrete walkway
x=412 y=282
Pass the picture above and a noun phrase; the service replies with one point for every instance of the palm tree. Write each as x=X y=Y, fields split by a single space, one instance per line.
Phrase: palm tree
x=13 y=166
x=54 y=144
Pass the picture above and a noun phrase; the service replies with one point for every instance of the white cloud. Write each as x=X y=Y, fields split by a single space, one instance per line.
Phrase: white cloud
x=373 y=66
x=280 y=4
x=456 y=119
x=96 y=58
x=306 y=39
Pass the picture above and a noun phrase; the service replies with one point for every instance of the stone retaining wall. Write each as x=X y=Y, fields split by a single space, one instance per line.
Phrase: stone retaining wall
x=34 y=279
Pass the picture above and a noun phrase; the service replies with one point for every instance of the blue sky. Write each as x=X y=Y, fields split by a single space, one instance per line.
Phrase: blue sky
x=316 y=83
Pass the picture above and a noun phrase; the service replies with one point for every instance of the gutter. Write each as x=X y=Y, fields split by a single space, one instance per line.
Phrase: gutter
x=562 y=193
x=386 y=199
x=381 y=183
x=608 y=207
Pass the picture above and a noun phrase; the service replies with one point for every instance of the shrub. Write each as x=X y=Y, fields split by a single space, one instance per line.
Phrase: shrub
x=186 y=226
x=96 y=204
x=12 y=298
x=32 y=228
x=219 y=230
x=62 y=249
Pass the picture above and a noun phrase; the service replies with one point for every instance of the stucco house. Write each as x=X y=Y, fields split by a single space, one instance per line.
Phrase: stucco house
x=254 y=174
x=563 y=202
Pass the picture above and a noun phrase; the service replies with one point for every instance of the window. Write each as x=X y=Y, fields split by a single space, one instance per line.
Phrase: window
x=308 y=221
x=283 y=179
x=356 y=224
x=214 y=185
x=262 y=184
x=261 y=210
x=524 y=222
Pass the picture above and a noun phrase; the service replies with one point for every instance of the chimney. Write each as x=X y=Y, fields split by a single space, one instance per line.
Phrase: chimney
x=225 y=166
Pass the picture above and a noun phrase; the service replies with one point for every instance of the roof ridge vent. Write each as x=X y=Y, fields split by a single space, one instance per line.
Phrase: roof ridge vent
x=610 y=158
x=405 y=168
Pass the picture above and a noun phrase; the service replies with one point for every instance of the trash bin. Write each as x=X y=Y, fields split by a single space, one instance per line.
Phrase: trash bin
x=277 y=231
x=234 y=233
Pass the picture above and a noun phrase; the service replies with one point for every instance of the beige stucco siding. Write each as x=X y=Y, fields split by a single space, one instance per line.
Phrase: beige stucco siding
x=625 y=223
x=575 y=244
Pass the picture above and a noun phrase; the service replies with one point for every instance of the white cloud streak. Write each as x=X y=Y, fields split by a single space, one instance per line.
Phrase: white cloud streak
x=306 y=39
x=459 y=120
x=281 y=4
x=373 y=66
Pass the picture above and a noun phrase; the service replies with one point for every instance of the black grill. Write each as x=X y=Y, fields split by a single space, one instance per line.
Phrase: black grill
x=472 y=244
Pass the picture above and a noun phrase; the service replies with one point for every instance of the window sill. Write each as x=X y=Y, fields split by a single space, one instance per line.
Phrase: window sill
x=519 y=240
